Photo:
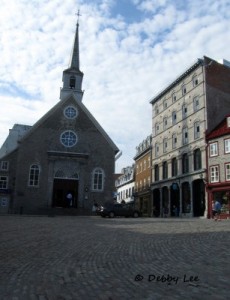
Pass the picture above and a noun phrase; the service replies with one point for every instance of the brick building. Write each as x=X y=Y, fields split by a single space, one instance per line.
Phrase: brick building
x=66 y=151
x=218 y=169
x=143 y=174
x=183 y=113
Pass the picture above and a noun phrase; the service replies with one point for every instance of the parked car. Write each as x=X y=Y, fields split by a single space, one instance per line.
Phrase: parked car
x=118 y=209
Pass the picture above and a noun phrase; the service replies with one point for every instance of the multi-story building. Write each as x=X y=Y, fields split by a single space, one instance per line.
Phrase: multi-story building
x=182 y=114
x=125 y=185
x=143 y=175
x=218 y=161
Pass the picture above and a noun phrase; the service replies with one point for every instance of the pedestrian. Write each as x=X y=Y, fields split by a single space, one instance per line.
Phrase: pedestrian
x=175 y=211
x=213 y=209
x=69 y=198
x=166 y=211
x=217 y=209
x=94 y=208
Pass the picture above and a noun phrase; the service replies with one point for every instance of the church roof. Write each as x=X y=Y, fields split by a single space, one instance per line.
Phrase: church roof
x=86 y=111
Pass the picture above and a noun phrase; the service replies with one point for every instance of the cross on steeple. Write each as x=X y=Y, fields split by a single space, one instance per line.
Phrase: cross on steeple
x=78 y=15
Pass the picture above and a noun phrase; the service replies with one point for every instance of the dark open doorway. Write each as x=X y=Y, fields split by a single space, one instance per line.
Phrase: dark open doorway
x=198 y=197
x=61 y=188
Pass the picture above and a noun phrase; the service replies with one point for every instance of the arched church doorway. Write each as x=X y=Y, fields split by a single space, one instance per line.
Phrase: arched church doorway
x=62 y=186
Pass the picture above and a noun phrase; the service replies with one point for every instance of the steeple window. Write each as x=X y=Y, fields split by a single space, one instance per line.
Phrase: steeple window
x=72 y=82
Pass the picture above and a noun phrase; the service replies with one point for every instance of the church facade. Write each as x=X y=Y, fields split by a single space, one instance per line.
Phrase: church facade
x=65 y=152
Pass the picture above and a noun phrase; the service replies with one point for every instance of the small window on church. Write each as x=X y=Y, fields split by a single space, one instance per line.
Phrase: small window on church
x=72 y=82
x=70 y=112
x=68 y=138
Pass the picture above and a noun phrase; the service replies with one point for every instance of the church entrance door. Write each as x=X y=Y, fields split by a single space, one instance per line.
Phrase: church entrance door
x=61 y=188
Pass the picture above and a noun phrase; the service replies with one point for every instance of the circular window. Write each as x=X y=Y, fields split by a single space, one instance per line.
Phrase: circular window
x=68 y=138
x=70 y=112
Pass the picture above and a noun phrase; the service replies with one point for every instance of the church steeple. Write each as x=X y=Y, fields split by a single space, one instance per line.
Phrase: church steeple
x=74 y=59
x=72 y=77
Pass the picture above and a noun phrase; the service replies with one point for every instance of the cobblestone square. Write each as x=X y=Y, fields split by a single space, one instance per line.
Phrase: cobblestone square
x=57 y=258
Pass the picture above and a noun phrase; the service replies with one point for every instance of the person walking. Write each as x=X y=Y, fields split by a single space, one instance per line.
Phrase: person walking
x=217 y=210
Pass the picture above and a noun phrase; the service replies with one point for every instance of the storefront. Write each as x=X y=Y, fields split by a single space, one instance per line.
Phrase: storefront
x=219 y=192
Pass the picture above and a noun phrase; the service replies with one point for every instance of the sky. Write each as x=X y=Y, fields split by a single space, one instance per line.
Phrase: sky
x=130 y=50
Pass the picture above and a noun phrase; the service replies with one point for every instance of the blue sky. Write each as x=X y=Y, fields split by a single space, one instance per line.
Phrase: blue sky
x=129 y=51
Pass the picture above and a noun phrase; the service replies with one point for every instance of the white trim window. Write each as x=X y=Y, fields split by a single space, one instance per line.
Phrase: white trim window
x=196 y=130
x=157 y=149
x=156 y=110
x=70 y=112
x=184 y=111
x=174 y=117
x=227 y=172
x=185 y=135
x=165 y=123
x=3 y=182
x=173 y=97
x=214 y=174
x=157 y=128
x=213 y=149
x=165 y=144
x=98 y=180
x=195 y=80
x=174 y=140
x=183 y=89
x=227 y=146
x=228 y=122
x=34 y=175
x=68 y=138
x=196 y=103
x=4 y=202
x=4 y=165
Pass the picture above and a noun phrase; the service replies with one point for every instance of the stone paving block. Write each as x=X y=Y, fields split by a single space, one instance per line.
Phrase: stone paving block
x=68 y=258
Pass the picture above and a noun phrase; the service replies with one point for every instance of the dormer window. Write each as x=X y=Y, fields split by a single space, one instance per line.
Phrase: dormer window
x=228 y=121
x=72 y=82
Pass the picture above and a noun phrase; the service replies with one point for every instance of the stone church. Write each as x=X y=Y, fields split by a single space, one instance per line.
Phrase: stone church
x=65 y=152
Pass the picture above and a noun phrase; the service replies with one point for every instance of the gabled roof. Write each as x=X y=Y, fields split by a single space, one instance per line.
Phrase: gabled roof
x=220 y=130
x=82 y=106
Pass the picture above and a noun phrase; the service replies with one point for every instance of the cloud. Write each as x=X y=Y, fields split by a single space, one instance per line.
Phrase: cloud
x=126 y=61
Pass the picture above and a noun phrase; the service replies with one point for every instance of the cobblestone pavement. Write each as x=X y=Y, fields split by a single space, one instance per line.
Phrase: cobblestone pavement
x=57 y=258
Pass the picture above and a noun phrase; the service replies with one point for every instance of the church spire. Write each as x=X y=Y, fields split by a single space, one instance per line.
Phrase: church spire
x=74 y=60
x=72 y=77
